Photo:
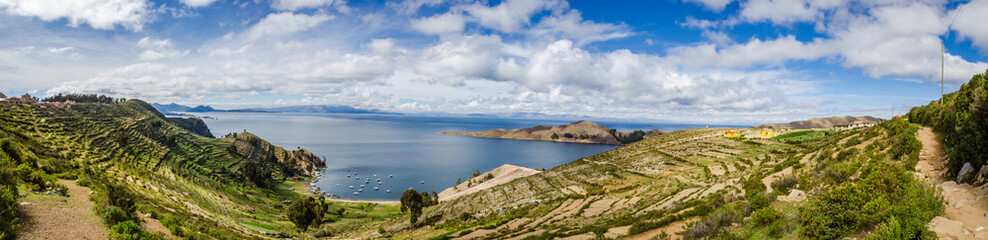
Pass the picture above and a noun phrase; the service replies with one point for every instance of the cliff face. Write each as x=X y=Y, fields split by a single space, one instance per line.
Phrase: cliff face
x=578 y=132
x=194 y=125
x=281 y=161
x=820 y=122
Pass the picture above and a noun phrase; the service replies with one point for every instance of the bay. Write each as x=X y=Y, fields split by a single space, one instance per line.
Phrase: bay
x=408 y=151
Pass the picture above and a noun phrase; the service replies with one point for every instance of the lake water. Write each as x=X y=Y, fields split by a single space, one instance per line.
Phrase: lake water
x=409 y=148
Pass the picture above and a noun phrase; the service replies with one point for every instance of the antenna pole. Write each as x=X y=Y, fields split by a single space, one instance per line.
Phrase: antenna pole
x=942 y=53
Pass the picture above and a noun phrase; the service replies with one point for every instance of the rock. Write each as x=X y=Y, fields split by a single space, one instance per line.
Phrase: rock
x=965 y=172
x=946 y=228
x=982 y=176
x=26 y=203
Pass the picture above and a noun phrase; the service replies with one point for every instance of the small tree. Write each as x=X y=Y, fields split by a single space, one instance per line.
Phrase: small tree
x=411 y=201
x=555 y=136
x=476 y=173
x=306 y=212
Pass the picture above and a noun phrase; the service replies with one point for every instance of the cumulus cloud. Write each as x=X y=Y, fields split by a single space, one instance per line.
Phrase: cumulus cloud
x=154 y=49
x=100 y=14
x=715 y=5
x=292 y=5
x=197 y=3
x=970 y=22
x=511 y=16
x=571 y=25
x=284 y=23
x=448 y=23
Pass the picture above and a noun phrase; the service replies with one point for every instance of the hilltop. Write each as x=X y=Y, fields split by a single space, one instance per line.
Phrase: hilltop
x=820 y=123
x=578 y=132
x=139 y=162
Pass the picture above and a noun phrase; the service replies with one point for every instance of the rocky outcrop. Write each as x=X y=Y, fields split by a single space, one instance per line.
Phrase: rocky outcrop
x=287 y=163
x=820 y=122
x=578 y=132
x=194 y=125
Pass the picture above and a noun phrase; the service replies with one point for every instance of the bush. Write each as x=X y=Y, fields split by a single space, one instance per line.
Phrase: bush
x=765 y=216
x=114 y=215
x=8 y=213
x=129 y=230
x=785 y=184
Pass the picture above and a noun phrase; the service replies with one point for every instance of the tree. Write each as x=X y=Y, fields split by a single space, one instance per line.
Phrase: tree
x=476 y=173
x=306 y=212
x=458 y=181
x=555 y=136
x=411 y=201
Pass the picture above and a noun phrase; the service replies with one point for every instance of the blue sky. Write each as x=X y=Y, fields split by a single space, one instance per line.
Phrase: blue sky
x=703 y=61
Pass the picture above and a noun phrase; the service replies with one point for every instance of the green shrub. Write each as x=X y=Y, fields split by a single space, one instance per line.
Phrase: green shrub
x=785 y=184
x=113 y=215
x=8 y=212
x=129 y=230
x=765 y=216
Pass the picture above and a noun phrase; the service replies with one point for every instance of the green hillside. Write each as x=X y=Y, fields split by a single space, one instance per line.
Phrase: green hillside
x=140 y=162
x=699 y=184
x=961 y=120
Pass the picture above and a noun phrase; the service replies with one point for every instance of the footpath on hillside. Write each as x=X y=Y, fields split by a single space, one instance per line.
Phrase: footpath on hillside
x=966 y=207
x=52 y=217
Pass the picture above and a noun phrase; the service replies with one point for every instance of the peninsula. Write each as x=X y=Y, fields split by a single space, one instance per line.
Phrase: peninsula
x=576 y=132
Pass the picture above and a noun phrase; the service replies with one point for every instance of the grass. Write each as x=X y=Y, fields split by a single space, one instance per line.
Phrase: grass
x=800 y=135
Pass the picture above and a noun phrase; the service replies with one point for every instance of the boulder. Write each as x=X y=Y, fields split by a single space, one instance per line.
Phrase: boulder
x=982 y=176
x=965 y=172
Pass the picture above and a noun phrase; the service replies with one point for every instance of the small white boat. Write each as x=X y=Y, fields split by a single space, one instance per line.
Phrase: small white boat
x=361 y=186
x=337 y=184
x=375 y=175
x=375 y=188
x=360 y=190
x=351 y=186
x=380 y=183
x=356 y=193
x=392 y=176
x=389 y=190
x=422 y=182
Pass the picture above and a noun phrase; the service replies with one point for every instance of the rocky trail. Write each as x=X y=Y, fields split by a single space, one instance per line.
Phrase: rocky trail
x=966 y=207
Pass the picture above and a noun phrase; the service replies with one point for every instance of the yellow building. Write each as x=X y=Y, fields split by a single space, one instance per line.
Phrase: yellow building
x=767 y=133
x=730 y=134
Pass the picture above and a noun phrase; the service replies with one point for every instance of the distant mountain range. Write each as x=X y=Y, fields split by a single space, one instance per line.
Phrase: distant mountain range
x=168 y=108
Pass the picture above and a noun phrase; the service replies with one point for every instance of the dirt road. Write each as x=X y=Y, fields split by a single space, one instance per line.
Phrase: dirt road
x=60 y=217
x=966 y=209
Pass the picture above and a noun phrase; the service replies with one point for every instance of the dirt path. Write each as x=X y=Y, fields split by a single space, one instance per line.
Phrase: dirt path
x=965 y=208
x=60 y=217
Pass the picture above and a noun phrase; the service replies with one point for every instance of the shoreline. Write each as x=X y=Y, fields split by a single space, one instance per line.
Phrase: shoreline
x=306 y=190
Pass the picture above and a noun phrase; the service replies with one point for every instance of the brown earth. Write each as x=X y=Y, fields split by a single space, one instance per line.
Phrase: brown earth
x=61 y=217
x=966 y=208
x=500 y=175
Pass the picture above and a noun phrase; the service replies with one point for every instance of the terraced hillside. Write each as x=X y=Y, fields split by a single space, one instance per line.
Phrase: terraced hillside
x=199 y=187
x=697 y=183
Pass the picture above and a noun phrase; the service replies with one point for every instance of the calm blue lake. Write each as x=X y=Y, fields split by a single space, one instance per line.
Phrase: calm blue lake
x=408 y=147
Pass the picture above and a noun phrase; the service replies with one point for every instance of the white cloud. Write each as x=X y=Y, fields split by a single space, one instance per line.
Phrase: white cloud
x=407 y=7
x=754 y=52
x=292 y=5
x=511 y=16
x=971 y=21
x=197 y=3
x=100 y=14
x=454 y=61
x=779 y=11
x=570 y=25
x=154 y=49
x=442 y=24
x=284 y=23
x=715 y=5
